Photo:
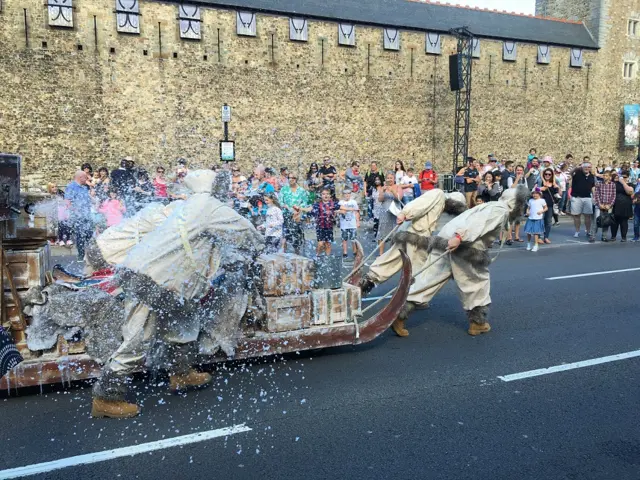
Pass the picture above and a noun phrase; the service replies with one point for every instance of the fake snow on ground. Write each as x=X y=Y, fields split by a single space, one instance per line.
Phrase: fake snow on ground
x=257 y=393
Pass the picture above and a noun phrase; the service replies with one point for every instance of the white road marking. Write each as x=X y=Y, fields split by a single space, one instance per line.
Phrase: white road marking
x=569 y=366
x=593 y=274
x=577 y=241
x=89 y=458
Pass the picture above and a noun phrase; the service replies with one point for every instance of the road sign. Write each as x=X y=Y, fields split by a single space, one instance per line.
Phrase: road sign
x=226 y=113
x=227 y=151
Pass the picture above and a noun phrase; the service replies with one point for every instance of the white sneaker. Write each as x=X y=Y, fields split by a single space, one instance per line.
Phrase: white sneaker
x=535 y=248
x=576 y=235
x=528 y=246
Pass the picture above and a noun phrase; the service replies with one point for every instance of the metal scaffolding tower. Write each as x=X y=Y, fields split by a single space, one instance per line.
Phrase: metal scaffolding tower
x=463 y=98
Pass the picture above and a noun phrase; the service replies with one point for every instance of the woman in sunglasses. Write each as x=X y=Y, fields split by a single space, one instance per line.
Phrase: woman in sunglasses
x=549 y=192
x=160 y=183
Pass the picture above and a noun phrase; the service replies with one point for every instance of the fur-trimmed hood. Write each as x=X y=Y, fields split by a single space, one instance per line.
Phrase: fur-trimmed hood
x=515 y=199
x=221 y=185
x=454 y=203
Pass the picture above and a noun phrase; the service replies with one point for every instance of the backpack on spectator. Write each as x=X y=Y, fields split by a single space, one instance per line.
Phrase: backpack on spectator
x=504 y=181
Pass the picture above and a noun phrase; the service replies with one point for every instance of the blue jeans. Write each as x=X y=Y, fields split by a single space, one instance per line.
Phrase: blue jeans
x=563 y=202
x=548 y=218
x=636 y=223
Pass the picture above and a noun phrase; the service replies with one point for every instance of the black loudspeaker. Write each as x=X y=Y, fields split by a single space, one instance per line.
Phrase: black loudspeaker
x=9 y=186
x=455 y=72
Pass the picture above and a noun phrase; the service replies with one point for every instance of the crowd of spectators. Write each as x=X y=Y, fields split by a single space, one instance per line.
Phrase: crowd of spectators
x=605 y=198
x=283 y=204
x=94 y=201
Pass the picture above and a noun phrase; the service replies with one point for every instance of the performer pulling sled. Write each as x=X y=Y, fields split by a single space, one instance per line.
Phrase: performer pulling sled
x=421 y=215
x=458 y=252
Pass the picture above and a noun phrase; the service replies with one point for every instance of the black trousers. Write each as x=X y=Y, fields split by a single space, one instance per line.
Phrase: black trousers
x=83 y=231
x=293 y=232
x=64 y=231
x=623 y=223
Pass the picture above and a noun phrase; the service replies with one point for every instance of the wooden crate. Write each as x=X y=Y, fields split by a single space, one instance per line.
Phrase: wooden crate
x=354 y=301
x=20 y=339
x=64 y=347
x=285 y=274
x=14 y=320
x=29 y=267
x=329 y=307
x=292 y=312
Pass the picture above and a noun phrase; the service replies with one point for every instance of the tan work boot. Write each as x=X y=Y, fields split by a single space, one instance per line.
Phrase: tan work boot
x=478 y=328
x=113 y=408
x=398 y=327
x=190 y=380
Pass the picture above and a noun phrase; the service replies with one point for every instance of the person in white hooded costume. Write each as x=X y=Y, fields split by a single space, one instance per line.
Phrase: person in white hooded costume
x=111 y=247
x=421 y=216
x=466 y=237
x=165 y=276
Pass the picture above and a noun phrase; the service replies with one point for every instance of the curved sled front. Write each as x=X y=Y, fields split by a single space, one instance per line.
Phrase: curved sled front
x=264 y=344
x=357 y=275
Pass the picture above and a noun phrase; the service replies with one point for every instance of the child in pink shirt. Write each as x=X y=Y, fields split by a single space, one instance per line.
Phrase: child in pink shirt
x=113 y=209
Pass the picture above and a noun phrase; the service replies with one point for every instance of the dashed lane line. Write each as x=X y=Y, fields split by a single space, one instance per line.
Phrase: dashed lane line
x=569 y=366
x=593 y=274
x=89 y=458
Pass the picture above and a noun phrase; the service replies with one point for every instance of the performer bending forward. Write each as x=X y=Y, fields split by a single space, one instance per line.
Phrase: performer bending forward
x=422 y=215
x=467 y=237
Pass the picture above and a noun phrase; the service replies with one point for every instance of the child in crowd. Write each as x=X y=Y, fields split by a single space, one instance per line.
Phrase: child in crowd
x=324 y=212
x=536 y=209
x=479 y=201
x=410 y=186
x=273 y=224
x=113 y=209
x=62 y=211
x=530 y=157
x=349 y=221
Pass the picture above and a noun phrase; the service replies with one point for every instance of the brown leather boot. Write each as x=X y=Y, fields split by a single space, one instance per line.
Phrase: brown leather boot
x=398 y=327
x=478 y=328
x=113 y=408
x=188 y=381
x=478 y=320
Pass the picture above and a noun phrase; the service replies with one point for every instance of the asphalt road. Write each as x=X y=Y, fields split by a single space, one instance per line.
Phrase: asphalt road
x=427 y=406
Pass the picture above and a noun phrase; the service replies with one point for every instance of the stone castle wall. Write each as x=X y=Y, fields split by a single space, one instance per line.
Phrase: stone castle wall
x=607 y=20
x=293 y=103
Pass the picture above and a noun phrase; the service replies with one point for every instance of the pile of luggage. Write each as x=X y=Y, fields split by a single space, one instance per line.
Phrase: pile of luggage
x=297 y=299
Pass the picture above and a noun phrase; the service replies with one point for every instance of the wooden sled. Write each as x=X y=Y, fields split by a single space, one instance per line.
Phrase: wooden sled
x=69 y=368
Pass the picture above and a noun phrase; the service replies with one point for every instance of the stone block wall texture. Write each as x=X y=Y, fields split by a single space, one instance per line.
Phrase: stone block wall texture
x=609 y=19
x=156 y=97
